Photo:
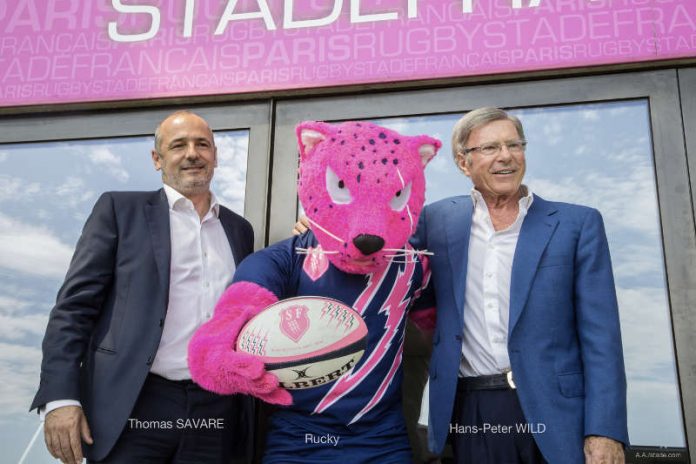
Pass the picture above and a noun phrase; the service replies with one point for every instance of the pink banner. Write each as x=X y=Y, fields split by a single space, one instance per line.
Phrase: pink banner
x=57 y=51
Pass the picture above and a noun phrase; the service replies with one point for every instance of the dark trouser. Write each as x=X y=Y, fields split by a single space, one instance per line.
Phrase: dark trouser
x=488 y=427
x=295 y=437
x=177 y=422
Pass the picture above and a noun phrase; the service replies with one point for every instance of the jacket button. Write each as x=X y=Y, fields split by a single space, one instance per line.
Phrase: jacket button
x=458 y=337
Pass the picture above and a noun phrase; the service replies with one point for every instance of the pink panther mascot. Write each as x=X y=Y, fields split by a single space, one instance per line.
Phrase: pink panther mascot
x=362 y=187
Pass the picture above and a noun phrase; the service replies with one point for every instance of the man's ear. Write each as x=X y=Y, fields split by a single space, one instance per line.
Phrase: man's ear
x=462 y=163
x=310 y=134
x=156 y=160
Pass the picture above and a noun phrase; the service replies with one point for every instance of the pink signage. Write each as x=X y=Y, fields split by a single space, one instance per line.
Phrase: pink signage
x=56 y=51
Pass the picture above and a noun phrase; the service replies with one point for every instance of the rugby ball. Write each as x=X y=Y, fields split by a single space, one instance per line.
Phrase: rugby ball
x=305 y=341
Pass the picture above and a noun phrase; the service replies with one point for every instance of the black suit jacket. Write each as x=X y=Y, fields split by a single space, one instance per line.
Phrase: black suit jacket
x=105 y=328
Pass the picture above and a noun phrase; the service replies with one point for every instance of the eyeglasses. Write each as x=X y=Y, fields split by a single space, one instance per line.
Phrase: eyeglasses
x=489 y=149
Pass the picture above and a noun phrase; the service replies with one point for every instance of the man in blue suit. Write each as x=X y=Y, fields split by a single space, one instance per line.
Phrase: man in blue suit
x=145 y=275
x=527 y=365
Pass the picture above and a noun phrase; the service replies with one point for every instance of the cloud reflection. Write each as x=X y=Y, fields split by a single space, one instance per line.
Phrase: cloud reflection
x=103 y=156
x=230 y=175
x=32 y=250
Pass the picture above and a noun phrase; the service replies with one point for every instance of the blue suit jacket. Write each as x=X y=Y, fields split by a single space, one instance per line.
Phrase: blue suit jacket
x=105 y=328
x=564 y=339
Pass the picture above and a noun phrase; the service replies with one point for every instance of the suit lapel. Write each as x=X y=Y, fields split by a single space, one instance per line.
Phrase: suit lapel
x=458 y=231
x=537 y=229
x=157 y=214
x=232 y=234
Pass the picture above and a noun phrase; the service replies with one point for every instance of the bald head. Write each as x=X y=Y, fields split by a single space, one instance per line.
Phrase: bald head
x=170 y=119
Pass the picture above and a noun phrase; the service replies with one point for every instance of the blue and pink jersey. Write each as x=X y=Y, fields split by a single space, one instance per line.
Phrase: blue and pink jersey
x=369 y=397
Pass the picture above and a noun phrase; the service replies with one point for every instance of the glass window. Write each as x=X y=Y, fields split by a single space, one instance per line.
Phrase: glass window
x=599 y=155
x=47 y=190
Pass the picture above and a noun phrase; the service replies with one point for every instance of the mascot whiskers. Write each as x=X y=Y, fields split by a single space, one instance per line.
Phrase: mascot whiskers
x=362 y=187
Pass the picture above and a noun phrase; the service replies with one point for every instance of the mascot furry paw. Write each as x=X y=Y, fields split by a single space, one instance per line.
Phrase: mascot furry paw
x=362 y=187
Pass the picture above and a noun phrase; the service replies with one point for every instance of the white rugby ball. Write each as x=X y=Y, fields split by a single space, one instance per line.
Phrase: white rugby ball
x=305 y=341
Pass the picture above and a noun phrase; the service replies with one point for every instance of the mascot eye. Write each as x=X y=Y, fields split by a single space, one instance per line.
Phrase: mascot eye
x=400 y=199
x=337 y=189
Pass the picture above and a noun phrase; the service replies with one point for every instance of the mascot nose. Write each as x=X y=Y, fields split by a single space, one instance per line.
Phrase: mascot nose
x=368 y=244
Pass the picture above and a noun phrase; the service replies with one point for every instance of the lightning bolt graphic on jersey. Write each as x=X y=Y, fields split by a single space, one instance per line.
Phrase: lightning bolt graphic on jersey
x=399 y=355
x=395 y=309
x=374 y=282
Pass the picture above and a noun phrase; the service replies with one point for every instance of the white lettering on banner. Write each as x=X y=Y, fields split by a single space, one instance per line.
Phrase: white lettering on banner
x=135 y=9
x=290 y=23
x=263 y=13
x=468 y=5
x=183 y=16
x=188 y=17
x=412 y=9
x=517 y=4
x=356 y=17
x=78 y=50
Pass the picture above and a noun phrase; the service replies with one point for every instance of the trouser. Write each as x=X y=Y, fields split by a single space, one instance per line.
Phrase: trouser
x=488 y=427
x=178 y=422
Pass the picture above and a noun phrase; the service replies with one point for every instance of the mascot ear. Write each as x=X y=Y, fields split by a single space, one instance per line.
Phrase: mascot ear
x=427 y=147
x=310 y=134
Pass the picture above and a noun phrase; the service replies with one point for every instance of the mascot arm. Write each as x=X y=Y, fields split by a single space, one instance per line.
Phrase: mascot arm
x=213 y=361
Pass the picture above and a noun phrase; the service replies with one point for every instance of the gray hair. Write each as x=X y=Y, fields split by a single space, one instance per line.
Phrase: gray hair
x=158 y=135
x=475 y=119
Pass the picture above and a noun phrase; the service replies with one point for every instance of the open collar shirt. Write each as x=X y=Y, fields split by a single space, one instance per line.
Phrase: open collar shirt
x=201 y=268
x=487 y=301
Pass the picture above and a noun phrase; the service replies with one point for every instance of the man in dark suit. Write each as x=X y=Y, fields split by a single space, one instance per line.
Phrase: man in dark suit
x=145 y=275
x=527 y=364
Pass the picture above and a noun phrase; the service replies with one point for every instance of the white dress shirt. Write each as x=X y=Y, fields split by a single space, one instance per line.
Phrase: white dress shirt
x=487 y=301
x=201 y=268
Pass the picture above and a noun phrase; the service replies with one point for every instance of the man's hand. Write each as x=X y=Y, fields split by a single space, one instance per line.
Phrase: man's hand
x=301 y=226
x=603 y=450
x=63 y=429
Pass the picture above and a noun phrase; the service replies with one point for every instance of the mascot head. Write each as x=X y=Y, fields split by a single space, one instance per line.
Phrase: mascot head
x=362 y=187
